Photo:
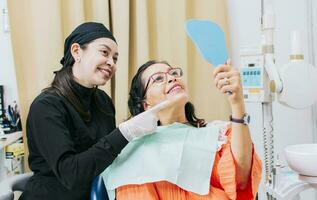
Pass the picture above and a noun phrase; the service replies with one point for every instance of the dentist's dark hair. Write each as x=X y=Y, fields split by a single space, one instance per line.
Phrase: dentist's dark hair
x=62 y=85
x=137 y=95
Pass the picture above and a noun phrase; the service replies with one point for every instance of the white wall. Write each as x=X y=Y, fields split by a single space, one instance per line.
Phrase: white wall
x=290 y=126
x=7 y=70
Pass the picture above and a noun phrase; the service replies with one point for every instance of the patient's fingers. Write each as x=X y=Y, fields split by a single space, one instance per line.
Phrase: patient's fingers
x=221 y=68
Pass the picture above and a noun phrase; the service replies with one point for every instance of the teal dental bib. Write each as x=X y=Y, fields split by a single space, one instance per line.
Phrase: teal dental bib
x=178 y=153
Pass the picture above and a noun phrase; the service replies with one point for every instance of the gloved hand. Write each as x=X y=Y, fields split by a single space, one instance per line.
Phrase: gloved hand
x=143 y=123
x=146 y=122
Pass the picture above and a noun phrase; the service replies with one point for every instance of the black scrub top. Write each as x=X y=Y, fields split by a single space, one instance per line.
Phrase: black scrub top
x=65 y=151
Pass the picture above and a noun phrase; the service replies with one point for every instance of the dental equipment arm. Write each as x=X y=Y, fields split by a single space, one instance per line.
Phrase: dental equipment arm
x=268 y=26
x=276 y=84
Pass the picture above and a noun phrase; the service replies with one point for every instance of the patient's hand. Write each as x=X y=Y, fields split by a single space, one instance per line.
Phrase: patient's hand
x=227 y=79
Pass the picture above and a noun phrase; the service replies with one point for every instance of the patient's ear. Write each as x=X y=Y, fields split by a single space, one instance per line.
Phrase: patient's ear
x=146 y=105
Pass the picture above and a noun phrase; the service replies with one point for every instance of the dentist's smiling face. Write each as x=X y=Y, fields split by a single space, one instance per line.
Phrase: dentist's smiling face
x=162 y=82
x=96 y=63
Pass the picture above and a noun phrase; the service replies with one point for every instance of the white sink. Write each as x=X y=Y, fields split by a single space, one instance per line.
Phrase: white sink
x=302 y=158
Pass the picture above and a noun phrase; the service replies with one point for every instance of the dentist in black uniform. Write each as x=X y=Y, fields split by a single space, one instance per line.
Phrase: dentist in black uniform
x=71 y=130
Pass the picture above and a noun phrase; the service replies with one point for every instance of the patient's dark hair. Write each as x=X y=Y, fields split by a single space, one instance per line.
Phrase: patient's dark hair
x=137 y=94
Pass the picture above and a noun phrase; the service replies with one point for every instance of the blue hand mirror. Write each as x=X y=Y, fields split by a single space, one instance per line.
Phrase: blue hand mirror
x=209 y=39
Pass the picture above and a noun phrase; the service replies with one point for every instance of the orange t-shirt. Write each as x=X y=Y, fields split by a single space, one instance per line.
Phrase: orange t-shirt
x=223 y=182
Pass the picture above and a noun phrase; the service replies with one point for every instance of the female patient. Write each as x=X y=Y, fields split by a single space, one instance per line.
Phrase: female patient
x=236 y=169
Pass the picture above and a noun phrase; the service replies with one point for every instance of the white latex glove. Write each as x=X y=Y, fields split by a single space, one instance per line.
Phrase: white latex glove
x=143 y=123
x=146 y=122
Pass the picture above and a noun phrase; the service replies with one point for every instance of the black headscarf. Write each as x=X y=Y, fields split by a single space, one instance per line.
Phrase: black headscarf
x=83 y=34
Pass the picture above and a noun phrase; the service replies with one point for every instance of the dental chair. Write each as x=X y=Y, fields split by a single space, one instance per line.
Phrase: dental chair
x=17 y=183
x=14 y=183
x=98 y=189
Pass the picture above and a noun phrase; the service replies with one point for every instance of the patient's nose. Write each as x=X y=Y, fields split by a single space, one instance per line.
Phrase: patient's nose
x=170 y=78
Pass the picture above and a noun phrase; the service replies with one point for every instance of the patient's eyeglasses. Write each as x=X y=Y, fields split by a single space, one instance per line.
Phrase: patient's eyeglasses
x=161 y=77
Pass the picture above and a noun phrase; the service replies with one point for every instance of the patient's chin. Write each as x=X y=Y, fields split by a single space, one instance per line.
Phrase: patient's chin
x=178 y=97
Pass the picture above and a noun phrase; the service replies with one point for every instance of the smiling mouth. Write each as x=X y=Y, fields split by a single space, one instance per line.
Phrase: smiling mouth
x=175 y=89
x=106 y=72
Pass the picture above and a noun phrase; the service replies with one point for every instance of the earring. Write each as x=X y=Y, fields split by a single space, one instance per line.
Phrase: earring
x=78 y=60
